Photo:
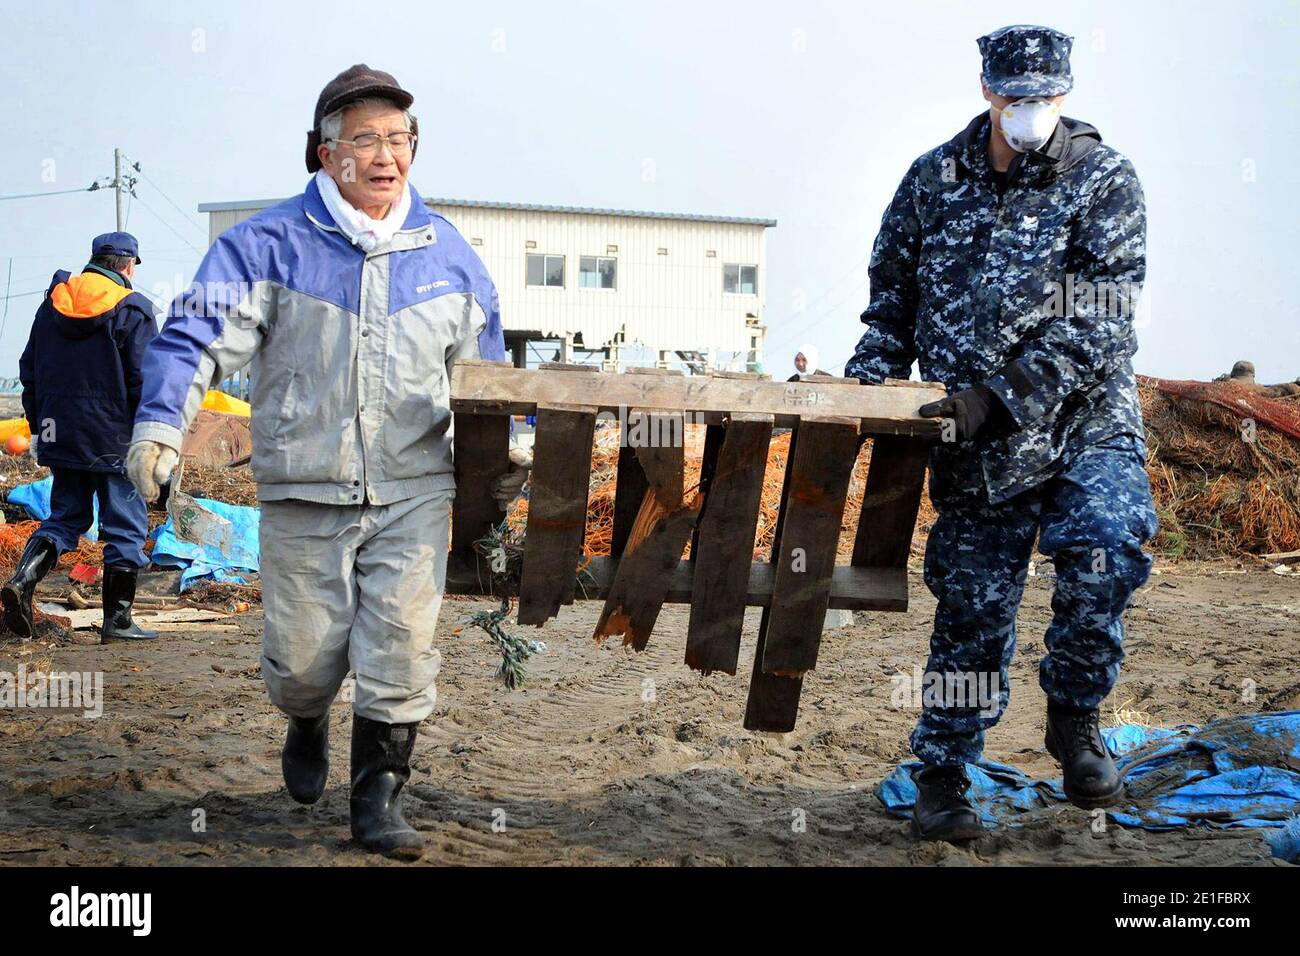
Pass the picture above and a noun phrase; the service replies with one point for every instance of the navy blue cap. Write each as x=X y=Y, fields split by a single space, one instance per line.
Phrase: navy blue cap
x=1025 y=60
x=116 y=244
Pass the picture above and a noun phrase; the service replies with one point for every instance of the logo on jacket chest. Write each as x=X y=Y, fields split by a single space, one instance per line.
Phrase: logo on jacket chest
x=429 y=287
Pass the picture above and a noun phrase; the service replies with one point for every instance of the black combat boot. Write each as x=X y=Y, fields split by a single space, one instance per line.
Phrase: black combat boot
x=1074 y=739
x=38 y=557
x=306 y=757
x=119 y=595
x=943 y=811
x=381 y=765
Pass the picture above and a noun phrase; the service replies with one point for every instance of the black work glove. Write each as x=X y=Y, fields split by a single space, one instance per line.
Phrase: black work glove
x=970 y=409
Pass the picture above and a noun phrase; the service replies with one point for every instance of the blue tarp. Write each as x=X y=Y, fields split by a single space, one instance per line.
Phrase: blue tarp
x=234 y=550
x=218 y=558
x=1235 y=772
x=35 y=497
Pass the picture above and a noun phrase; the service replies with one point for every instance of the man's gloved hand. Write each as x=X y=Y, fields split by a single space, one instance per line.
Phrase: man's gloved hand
x=970 y=409
x=148 y=465
x=506 y=488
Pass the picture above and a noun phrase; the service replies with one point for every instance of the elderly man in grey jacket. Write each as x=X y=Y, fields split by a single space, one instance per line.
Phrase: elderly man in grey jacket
x=352 y=302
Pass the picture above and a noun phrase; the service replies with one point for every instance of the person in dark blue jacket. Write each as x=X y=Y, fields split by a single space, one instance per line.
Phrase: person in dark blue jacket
x=81 y=387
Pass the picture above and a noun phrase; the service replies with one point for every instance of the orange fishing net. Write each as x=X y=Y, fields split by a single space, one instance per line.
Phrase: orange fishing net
x=604 y=466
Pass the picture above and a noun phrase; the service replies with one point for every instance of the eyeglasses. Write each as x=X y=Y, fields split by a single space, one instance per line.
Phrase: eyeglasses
x=367 y=144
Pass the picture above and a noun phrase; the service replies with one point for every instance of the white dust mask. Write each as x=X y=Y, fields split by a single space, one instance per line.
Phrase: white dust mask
x=1028 y=123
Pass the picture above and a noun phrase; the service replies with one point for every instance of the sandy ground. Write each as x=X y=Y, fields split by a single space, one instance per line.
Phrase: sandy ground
x=580 y=768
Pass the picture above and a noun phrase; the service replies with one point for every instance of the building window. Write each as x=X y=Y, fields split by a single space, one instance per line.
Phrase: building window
x=546 y=270
x=740 y=279
x=597 y=272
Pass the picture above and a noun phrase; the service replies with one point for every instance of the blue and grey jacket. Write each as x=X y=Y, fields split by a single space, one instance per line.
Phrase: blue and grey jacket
x=350 y=351
x=1029 y=290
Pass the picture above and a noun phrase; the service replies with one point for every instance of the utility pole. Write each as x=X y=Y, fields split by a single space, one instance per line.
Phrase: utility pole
x=118 y=186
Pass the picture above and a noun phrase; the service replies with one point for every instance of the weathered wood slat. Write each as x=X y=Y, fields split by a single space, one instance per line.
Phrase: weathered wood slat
x=852 y=589
x=773 y=702
x=482 y=454
x=895 y=481
x=713 y=438
x=557 y=510
x=724 y=540
x=820 y=469
x=495 y=389
x=630 y=486
x=659 y=441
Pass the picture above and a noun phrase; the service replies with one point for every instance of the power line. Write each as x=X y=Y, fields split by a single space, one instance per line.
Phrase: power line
x=197 y=225
x=62 y=255
x=58 y=192
x=8 y=287
x=153 y=213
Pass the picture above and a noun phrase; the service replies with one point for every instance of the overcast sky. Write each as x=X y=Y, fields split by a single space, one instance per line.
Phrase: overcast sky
x=807 y=113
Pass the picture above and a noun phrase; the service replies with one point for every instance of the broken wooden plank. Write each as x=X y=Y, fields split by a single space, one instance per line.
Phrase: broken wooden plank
x=820 y=469
x=895 y=480
x=641 y=582
x=1282 y=557
x=190 y=627
x=852 y=589
x=93 y=617
x=724 y=538
x=557 y=509
x=481 y=450
x=481 y=389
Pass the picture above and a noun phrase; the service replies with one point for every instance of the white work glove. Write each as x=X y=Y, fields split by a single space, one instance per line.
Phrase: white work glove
x=506 y=488
x=148 y=465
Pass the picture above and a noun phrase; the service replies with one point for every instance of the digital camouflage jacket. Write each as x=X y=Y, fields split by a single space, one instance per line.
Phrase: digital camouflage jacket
x=1030 y=292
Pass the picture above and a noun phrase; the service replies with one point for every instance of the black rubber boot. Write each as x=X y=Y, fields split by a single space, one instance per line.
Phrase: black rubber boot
x=1074 y=739
x=943 y=811
x=306 y=757
x=381 y=765
x=38 y=557
x=119 y=595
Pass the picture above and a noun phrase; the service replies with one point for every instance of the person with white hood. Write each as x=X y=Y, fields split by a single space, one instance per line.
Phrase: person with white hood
x=805 y=362
x=352 y=301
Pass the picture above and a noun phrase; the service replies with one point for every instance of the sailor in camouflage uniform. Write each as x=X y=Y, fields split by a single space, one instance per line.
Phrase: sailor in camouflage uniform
x=1008 y=264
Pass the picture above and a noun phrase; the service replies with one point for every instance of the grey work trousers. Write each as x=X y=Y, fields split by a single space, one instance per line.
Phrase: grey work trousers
x=354 y=587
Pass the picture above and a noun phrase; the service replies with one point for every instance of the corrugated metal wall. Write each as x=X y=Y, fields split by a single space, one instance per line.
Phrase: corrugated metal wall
x=662 y=301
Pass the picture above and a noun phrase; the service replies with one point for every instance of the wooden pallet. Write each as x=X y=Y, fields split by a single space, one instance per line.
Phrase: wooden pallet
x=655 y=517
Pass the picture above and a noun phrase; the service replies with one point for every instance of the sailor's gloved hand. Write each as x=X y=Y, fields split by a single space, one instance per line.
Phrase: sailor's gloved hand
x=506 y=488
x=970 y=410
x=148 y=465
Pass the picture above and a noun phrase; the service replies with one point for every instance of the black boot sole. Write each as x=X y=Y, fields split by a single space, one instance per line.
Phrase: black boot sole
x=1085 y=801
x=956 y=834
x=15 y=620
x=407 y=854
x=306 y=796
x=392 y=851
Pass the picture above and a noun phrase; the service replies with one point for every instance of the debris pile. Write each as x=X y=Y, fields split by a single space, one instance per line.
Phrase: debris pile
x=1225 y=476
